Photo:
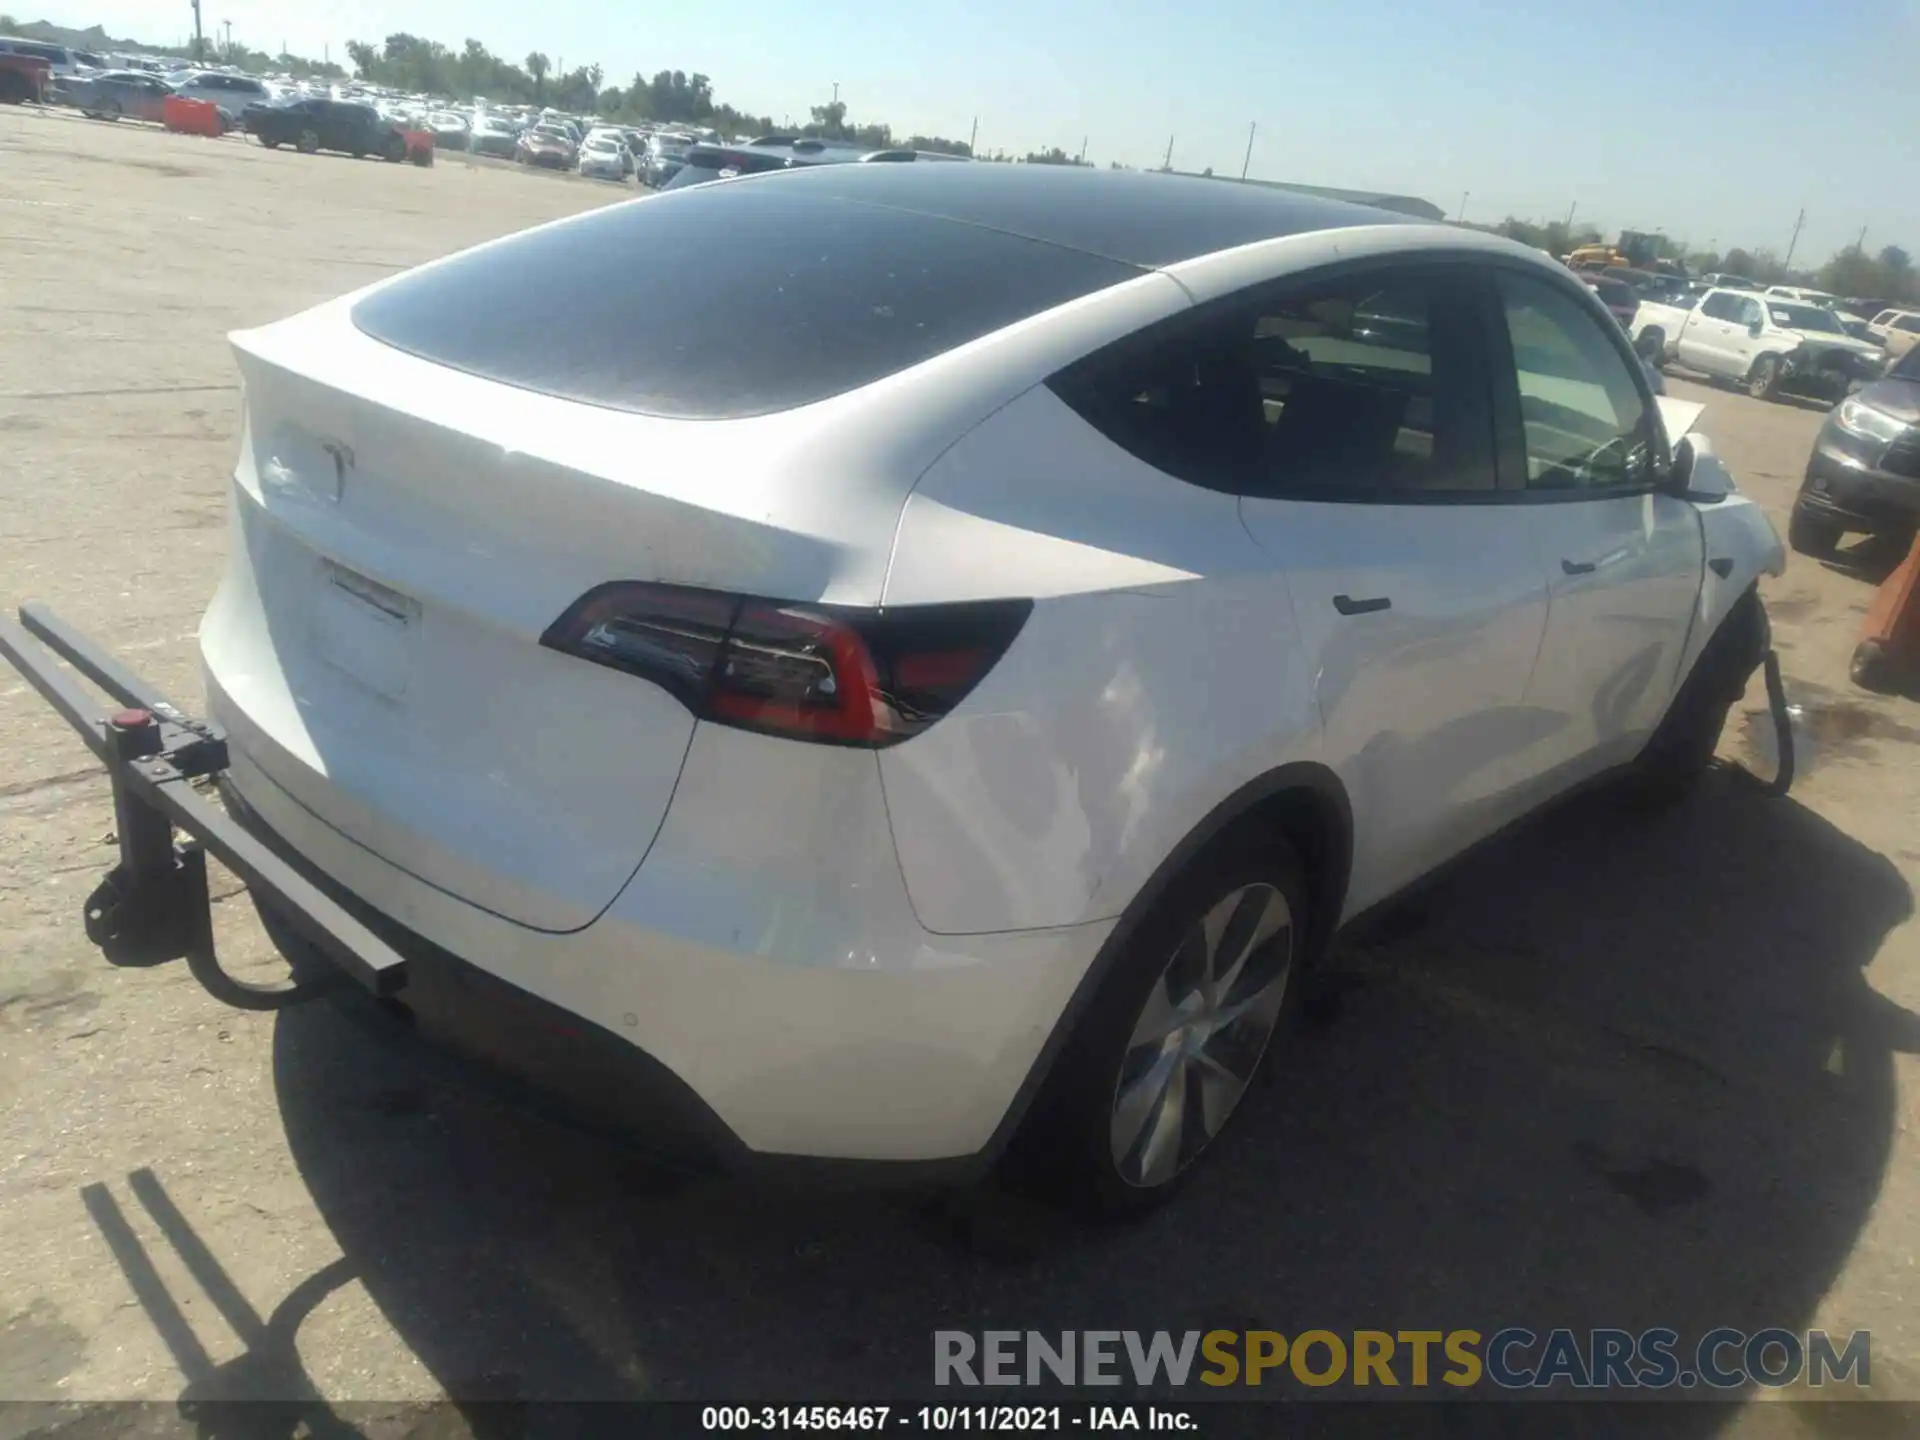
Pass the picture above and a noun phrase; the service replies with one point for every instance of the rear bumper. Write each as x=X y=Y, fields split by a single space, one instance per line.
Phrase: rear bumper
x=1839 y=487
x=763 y=969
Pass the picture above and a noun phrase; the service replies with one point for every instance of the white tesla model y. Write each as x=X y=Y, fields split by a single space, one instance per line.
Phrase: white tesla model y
x=946 y=649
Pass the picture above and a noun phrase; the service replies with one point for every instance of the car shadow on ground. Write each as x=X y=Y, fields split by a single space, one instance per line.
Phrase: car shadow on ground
x=1614 y=1070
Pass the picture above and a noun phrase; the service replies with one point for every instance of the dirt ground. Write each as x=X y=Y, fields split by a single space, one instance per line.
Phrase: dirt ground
x=1616 y=1072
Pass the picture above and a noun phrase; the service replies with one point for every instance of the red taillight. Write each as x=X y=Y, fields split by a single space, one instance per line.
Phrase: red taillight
x=828 y=673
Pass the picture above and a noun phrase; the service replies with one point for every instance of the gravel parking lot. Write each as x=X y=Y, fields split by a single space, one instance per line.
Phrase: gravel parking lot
x=1612 y=1073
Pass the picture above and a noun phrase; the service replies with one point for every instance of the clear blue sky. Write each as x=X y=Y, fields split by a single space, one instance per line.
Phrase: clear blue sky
x=1714 y=120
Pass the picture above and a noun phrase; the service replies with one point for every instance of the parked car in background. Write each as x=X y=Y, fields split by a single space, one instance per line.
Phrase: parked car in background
x=604 y=157
x=615 y=137
x=1721 y=280
x=549 y=146
x=449 y=130
x=666 y=153
x=63 y=68
x=704 y=163
x=1766 y=343
x=1802 y=293
x=24 y=79
x=113 y=94
x=344 y=125
x=1618 y=296
x=1896 y=329
x=1864 y=473
x=493 y=136
x=232 y=93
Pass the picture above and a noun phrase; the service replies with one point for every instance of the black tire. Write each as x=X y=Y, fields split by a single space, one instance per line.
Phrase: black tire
x=1681 y=750
x=394 y=151
x=307 y=142
x=1651 y=344
x=1763 y=381
x=1811 y=534
x=14 y=89
x=271 y=144
x=1068 y=1143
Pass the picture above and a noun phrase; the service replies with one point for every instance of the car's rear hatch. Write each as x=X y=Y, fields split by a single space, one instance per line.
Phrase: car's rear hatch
x=401 y=542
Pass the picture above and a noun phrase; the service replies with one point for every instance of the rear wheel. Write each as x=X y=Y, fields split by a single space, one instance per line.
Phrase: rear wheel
x=1159 y=1063
x=1763 y=381
x=1811 y=534
x=307 y=142
x=394 y=151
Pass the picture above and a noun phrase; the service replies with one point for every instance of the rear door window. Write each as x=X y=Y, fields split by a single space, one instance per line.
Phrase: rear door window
x=1368 y=387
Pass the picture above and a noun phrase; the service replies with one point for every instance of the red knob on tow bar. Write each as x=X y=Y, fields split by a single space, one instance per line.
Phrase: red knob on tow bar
x=134 y=733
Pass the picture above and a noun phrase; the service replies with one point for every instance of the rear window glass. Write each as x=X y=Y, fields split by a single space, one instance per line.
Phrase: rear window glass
x=773 y=297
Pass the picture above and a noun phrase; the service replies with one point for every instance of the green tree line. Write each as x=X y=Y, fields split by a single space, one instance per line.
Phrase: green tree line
x=1888 y=273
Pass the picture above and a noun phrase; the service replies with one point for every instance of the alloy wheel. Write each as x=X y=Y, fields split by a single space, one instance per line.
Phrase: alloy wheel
x=1200 y=1034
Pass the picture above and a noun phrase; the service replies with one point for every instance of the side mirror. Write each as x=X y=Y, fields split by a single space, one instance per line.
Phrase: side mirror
x=1756 y=328
x=1678 y=481
x=1694 y=479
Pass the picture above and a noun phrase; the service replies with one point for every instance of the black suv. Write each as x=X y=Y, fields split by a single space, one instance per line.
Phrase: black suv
x=310 y=125
x=1864 y=473
x=778 y=152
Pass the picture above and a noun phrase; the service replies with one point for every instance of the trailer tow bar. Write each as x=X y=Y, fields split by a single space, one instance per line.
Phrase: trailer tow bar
x=154 y=906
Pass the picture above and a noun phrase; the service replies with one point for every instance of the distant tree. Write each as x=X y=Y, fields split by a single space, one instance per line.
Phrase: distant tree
x=829 y=121
x=938 y=145
x=537 y=66
x=363 y=56
x=1739 y=262
x=1052 y=155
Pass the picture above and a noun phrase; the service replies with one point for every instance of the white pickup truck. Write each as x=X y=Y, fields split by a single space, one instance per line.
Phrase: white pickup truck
x=1767 y=343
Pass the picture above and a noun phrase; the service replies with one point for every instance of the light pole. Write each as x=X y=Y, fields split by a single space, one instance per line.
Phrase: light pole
x=1252 y=125
x=199 y=43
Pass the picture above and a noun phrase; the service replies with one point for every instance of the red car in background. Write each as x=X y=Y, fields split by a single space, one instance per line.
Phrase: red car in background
x=23 y=78
x=546 y=145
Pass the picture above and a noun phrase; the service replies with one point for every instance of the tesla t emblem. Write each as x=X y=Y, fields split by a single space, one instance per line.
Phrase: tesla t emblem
x=342 y=463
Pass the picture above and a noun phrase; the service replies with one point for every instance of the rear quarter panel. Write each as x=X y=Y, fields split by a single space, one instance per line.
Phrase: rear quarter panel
x=1160 y=671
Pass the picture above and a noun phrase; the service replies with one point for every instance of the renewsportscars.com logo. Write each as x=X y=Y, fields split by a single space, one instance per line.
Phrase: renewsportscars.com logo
x=1511 y=1359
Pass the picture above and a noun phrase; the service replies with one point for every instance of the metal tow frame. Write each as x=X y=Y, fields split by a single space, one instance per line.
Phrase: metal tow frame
x=154 y=905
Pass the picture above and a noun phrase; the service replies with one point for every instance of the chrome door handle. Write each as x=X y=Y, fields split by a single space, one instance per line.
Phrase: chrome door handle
x=1347 y=605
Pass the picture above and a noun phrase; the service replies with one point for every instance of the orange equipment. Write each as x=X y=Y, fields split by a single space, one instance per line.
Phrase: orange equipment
x=420 y=146
x=1888 y=655
x=192 y=117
